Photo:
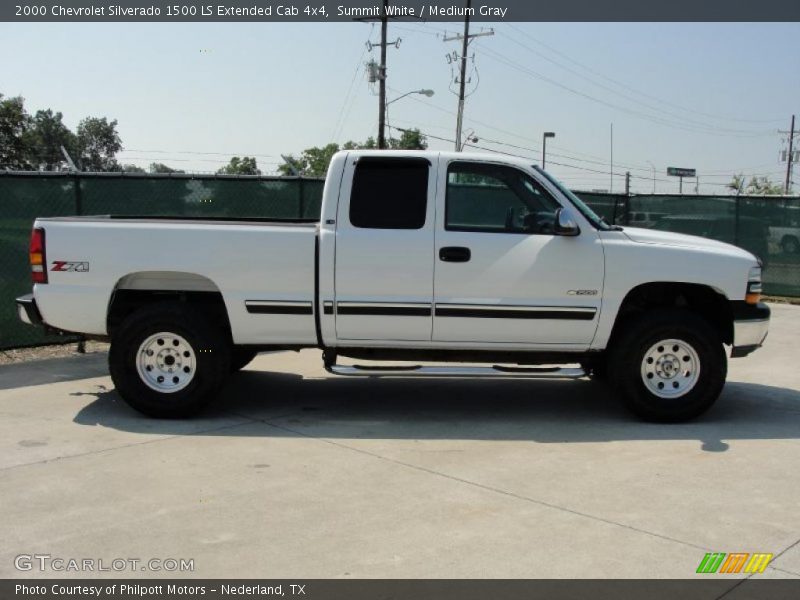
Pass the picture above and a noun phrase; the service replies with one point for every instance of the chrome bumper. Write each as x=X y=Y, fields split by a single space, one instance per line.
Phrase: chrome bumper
x=750 y=328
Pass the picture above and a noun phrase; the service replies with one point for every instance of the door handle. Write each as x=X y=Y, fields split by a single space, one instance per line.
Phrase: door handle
x=455 y=254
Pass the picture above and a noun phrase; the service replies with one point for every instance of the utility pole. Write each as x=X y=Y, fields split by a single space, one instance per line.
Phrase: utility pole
x=382 y=79
x=69 y=160
x=611 y=187
x=466 y=38
x=296 y=171
x=787 y=189
x=627 y=183
x=378 y=72
x=463 y=83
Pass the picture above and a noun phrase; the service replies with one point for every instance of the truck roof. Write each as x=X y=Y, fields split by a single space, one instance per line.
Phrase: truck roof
x=450 y=155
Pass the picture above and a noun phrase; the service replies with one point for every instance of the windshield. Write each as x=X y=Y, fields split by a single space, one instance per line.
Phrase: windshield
x=587 y=212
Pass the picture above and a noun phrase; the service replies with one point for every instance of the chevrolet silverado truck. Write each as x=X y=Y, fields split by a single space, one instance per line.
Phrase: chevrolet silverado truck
x=422 y=264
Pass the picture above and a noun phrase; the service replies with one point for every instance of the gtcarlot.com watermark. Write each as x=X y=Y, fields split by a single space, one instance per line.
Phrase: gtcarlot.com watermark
x=59 y=564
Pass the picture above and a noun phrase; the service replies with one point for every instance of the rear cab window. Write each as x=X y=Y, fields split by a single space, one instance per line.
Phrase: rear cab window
x=390 y=193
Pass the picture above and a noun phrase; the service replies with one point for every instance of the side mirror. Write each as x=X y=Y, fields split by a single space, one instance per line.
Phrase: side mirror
x=565 y=223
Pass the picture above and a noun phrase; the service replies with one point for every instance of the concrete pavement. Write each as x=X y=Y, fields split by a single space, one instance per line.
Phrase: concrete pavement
x=295 y=473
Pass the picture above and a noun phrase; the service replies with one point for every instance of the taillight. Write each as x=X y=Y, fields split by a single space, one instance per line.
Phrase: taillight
x=37 y=256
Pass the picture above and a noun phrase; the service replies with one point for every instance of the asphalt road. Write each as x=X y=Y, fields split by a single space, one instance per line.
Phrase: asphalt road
x=298 y=474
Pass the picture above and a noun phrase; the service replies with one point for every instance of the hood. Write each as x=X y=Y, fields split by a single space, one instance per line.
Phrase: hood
x=669 y=238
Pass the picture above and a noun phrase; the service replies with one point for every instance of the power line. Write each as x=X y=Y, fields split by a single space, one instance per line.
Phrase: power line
x=207 y=160
x=626 y=96
x=655 y=119
x=596 y=162
x=342 y=118
x=511 y=133
x=560 y=164
x=199 y=153
x=632 y=166
x=632 y=89
x=409 y=29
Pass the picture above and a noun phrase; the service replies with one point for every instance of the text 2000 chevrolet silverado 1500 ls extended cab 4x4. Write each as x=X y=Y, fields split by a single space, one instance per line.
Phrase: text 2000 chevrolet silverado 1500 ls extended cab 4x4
x=417 y=257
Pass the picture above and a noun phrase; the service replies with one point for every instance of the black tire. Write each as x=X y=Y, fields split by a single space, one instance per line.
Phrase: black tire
x=241 y=356
x=628 y=364
x=596 y=368
x=208 y=354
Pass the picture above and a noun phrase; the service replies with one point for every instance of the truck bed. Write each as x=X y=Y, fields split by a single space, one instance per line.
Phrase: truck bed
x=253 y=264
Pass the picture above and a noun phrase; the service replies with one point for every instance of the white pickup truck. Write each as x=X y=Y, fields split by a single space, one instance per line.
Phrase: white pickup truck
x=484 y=266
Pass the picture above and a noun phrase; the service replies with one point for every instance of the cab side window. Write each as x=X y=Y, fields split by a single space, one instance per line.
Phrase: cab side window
x=389 y=193
x=484 y=197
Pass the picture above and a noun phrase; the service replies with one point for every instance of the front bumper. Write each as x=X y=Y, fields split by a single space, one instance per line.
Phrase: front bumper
x=750 y=327
x=27 y=311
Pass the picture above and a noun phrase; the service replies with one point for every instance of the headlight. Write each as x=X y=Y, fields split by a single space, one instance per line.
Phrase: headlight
x=753 y=295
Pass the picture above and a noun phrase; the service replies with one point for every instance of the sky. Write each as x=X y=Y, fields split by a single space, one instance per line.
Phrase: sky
x=708 y=96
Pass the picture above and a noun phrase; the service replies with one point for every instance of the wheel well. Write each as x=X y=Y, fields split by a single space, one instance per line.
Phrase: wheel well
x=702 y=300
x=126 y=301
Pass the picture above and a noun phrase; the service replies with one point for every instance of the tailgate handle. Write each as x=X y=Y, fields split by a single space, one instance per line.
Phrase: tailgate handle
x=455 y=254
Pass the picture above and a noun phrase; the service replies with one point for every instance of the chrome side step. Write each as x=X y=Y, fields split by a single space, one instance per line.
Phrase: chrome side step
x=445 y=371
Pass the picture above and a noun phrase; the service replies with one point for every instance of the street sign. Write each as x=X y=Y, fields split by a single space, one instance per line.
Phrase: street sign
x=679 y=172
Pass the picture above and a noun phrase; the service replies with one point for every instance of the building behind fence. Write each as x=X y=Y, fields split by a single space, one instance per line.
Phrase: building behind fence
x=767 y=226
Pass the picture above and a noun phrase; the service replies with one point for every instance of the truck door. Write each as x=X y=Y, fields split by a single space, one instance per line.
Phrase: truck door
x=384 y=249
x=502 y=275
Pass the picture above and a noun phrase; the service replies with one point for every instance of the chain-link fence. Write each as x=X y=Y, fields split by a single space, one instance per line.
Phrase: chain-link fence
x=25 y=196
x=767 y=226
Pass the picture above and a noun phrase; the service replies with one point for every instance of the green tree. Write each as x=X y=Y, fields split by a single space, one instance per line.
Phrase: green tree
x=245 y=165
x=162 y=168
x=97 y=144
x=762 y=186
x=737 y=183
x=132 y=169
x=313 y=162
x=14 y=123
x=370 y=144
x=44 y=138
x=411 y=139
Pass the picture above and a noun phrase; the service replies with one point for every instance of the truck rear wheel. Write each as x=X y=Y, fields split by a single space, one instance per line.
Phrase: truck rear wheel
x=668 y=365
x=166 y=361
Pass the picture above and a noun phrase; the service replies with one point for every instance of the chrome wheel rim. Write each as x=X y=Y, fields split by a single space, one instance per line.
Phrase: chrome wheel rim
x=670 y=368
x=166 y=362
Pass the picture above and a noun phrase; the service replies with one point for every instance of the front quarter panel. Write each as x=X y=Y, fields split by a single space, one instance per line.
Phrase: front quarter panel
x=630 y=264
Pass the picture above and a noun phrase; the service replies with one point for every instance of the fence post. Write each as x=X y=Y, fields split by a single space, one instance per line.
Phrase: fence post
x=301 y=189
x=78 y=197
x=614 y=211
x=736 y=222
x=627 y=220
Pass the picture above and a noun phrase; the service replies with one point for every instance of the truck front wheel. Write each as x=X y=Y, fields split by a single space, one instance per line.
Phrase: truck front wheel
x=166 y=361
x=241 y=356
x=668 y=365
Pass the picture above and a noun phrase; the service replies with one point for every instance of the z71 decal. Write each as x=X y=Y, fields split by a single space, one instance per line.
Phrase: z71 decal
x=70 y=265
